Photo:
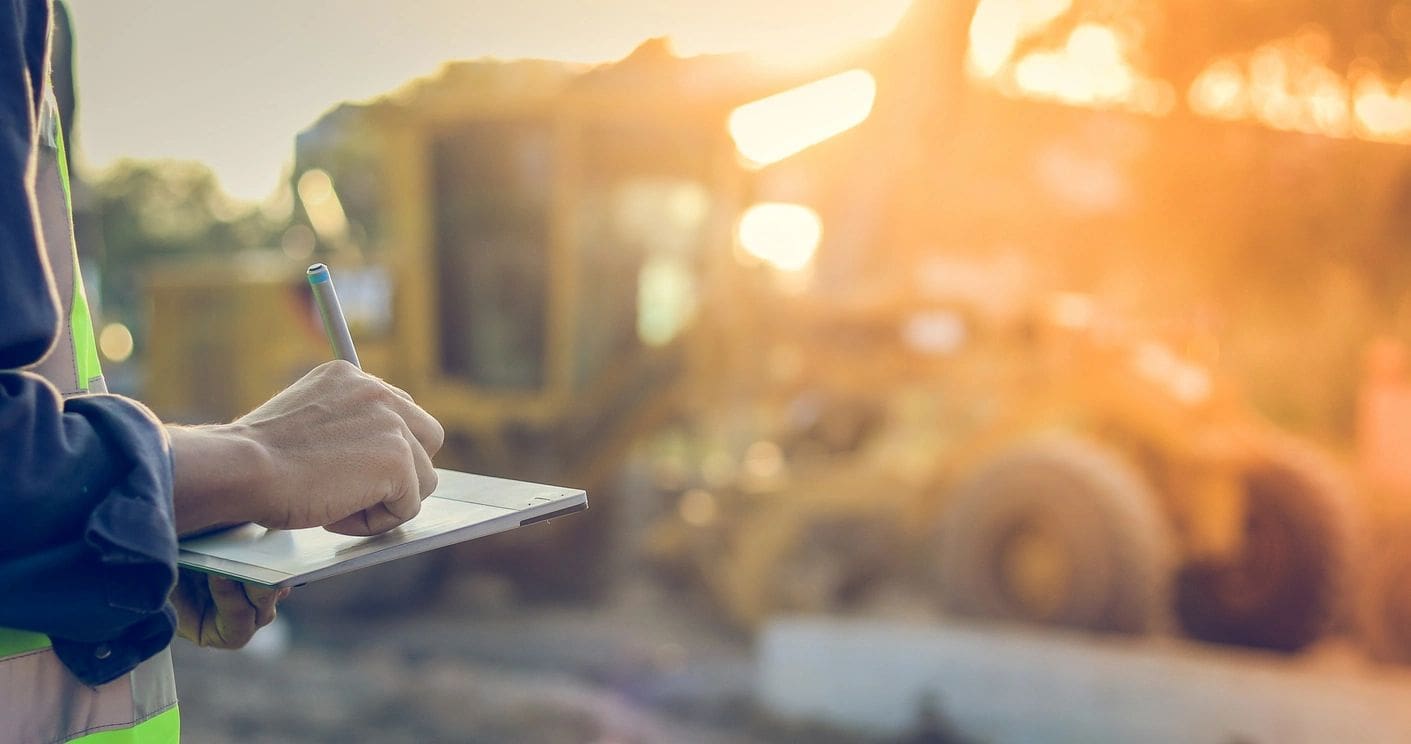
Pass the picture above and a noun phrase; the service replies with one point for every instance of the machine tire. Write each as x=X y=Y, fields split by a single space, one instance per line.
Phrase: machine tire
x=1386 y=599
x=1094 y=507
x=1290 y=583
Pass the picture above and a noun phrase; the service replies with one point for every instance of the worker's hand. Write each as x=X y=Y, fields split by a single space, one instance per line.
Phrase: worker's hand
x=338 y=449
x=217 y=612
x=346 y=451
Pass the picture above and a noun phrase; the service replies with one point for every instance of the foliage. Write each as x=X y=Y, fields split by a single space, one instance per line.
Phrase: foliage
x=152 y=212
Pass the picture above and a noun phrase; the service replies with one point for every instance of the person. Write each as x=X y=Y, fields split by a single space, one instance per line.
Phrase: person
x=94 y=490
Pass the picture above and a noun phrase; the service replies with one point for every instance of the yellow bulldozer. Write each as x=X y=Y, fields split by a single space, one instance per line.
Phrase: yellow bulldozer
x=821 y=335
x=1054 y=459
x=1046 y=469
x=520 y=245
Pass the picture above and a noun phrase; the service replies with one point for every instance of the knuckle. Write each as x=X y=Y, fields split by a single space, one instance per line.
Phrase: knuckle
x=367 y=390
x=321 y=411
x=438 y=436
x=396 y=454
x=387 y=420
x=413 y=508
x=382 y=425
x=338 y=368
x=383 y=392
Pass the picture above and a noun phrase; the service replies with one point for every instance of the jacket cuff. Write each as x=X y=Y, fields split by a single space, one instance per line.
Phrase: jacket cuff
x=98 y=663
x=133 y=530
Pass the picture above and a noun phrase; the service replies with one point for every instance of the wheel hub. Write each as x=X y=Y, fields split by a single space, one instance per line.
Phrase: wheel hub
x=1036 y=572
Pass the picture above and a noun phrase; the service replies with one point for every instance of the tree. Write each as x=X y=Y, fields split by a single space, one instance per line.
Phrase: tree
x=152 y=212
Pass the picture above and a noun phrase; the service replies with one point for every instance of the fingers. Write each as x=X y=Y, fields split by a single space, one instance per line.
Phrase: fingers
x=353 y=524
x=235 y=617
x=394 y=512
x=423 y=426
x=189 y=599
x=264 y=600
x=358 y=452
x=426 y=477
x=426 y=435
x=239 y=610
x=404 y=494
x=403 y=500
x=370 y=521
x=400 y=393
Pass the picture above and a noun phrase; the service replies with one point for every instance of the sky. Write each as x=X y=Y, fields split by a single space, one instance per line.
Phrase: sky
x=230 y=84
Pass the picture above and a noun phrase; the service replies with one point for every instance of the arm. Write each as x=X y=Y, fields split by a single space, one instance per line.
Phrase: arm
x=212 y=468
x=87 y=547
x=339 y=449
x=89 y=503
x=87 y=555
x=87 y=551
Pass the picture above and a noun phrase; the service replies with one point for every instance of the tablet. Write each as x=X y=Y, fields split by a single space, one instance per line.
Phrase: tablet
x=464 y=507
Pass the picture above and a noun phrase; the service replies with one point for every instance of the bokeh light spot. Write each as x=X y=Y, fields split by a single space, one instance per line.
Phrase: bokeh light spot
x=783 y=235
x=115 y=341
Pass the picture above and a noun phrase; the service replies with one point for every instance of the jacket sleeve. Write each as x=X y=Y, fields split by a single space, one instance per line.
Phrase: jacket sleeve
x=87 y=538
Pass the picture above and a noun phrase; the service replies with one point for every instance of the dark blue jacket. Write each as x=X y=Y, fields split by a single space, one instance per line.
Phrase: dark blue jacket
x=87 y=539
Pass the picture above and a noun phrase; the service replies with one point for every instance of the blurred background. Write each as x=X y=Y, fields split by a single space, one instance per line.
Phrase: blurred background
x=946 y=370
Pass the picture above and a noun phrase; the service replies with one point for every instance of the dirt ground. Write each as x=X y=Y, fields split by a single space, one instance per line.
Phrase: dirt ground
x=633 y=670
x=643 y=667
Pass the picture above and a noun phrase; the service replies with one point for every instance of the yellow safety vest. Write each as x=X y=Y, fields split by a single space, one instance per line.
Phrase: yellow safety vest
x=41 y=702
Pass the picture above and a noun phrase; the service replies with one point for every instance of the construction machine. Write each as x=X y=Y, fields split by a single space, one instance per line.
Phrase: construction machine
x=1043 y=467
x=1095 y=462
x=520 y=245
x=931 y=319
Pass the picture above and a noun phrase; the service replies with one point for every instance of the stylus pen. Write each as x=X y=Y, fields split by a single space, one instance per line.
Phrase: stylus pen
x=334 y=324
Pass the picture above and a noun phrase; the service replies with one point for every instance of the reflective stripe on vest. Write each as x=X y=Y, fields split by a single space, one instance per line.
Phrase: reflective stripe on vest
x=72 y=365
x=41 y=702
x=88 y=371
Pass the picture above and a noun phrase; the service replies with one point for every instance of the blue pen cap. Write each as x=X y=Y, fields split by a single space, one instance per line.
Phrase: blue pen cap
x=318 y=274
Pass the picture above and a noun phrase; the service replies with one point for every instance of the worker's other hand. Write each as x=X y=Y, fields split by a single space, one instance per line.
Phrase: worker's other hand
x=217 y=612
x=346 y=451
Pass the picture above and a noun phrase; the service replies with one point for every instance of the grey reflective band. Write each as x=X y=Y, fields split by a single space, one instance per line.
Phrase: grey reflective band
x=72 y=365
x=41 y=702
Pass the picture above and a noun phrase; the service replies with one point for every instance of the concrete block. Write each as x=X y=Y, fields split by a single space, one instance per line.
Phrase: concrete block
x=1023 y=685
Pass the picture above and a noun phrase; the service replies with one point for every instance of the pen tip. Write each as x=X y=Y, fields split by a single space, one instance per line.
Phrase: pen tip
x=316 y=268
